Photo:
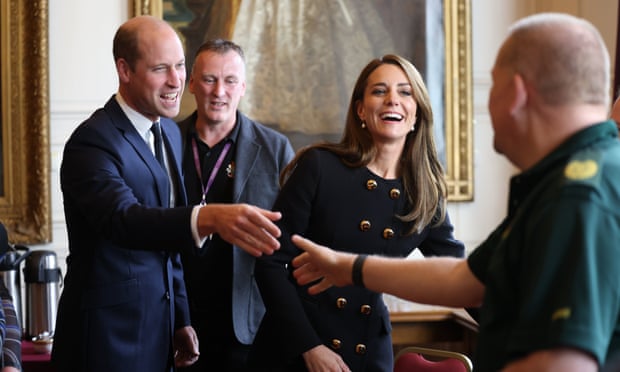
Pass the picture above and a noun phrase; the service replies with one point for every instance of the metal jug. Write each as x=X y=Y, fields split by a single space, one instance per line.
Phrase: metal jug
x=10 y=273
x=42 y=276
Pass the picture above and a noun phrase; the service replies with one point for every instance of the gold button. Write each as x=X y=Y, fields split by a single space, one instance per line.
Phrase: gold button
x=388 y=233
x=365 y=225
x=365 y=309
x=394 y=193
x=341 y=302
x=360 y=349
x=336 y=344
x=371 y=184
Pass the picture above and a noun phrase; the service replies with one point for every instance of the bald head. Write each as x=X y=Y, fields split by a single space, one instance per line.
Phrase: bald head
x=150 y=63
x=564 y=57
x=129 y=37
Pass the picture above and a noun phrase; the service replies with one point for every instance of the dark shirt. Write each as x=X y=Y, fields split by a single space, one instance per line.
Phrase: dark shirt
x=214 y=266
x=550 y=269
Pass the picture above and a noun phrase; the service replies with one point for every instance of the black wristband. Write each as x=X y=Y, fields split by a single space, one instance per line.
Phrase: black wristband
x=356 y=273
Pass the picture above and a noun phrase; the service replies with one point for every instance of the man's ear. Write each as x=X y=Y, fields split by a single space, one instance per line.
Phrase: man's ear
x=123 y=69
x=520 y=94
x=243 y=88
x=190 y=84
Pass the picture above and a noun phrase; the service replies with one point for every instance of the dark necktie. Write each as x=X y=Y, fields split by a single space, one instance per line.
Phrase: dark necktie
x=158 y=141
x=159 y=153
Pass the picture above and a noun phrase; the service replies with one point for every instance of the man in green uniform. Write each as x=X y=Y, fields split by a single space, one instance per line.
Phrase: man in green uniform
x=547 y=279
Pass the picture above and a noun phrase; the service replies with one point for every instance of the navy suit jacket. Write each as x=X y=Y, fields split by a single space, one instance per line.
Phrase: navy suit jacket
x=262 y=153
x=123 y=293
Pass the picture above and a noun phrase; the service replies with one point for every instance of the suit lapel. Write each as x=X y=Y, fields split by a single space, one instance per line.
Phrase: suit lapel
x=143 y=150
x=245 y=159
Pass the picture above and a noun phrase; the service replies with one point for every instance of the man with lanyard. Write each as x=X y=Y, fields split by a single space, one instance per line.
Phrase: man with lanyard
x=227 y=158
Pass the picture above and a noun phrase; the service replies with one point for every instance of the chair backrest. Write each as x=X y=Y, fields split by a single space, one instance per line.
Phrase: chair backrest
x=414 y=358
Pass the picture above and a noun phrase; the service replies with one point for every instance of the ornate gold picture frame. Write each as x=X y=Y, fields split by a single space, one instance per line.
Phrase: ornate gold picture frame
x=457 y=97
x=25 y=174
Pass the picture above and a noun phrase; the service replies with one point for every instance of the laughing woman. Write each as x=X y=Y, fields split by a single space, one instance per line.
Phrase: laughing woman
x=380 y=190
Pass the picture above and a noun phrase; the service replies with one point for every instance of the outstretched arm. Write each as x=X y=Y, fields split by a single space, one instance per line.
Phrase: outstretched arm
x=249 y=227
x=443 y=281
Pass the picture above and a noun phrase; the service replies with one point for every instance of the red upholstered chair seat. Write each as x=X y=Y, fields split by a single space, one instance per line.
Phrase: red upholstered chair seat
x=413 y=359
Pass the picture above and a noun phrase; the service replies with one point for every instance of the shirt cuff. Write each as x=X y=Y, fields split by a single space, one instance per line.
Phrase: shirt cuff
x=198 y=240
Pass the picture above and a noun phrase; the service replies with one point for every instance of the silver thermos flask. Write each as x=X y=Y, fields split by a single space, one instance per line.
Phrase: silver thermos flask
x=10 y=273
x=42 y=276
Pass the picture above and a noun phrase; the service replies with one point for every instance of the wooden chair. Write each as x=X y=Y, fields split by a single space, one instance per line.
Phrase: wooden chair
x=420 y=359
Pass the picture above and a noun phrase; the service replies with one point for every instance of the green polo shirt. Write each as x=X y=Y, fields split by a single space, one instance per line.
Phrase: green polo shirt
x=552 y=268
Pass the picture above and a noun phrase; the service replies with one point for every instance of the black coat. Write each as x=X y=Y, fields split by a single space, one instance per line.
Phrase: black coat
x=337 y=206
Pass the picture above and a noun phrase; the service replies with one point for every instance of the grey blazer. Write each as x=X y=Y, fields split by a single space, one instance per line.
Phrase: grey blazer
x=261 y=154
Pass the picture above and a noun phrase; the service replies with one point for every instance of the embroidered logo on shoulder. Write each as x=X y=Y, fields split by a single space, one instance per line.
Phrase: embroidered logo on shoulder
x=580 y=170
x=561 y=313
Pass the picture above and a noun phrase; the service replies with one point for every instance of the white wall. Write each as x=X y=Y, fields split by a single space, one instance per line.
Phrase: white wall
x=82 y=78
x=490 y=20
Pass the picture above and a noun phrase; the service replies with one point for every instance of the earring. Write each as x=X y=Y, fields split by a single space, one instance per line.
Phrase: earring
x=412 y=128
x=363 y=124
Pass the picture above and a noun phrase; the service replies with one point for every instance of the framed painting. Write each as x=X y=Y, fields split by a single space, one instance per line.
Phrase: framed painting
x=25 y=207
x=303 y=58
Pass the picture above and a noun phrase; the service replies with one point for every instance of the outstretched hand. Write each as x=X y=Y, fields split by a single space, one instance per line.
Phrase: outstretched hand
x=329 y=267
x=249 y=227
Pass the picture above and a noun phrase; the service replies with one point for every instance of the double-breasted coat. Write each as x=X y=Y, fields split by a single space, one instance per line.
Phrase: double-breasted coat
x=347 y=209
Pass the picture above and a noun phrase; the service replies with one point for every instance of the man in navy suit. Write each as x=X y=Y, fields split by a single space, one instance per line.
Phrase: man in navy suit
x=228 y=158
x=124 y=305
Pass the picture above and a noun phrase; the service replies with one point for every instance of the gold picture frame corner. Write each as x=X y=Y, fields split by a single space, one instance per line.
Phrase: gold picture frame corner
x=146 y=7
x=25 y=207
